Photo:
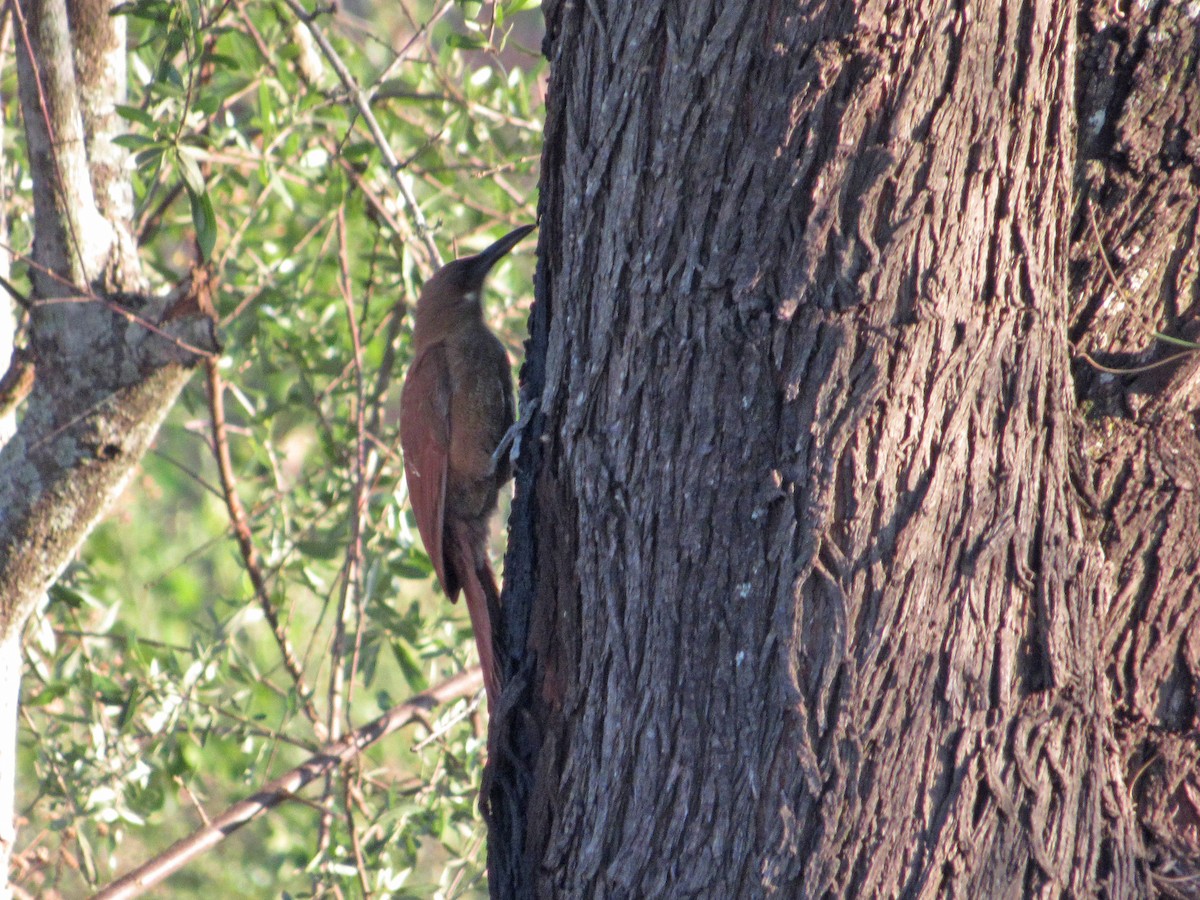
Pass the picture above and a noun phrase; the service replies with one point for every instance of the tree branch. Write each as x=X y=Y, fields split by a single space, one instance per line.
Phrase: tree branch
x=108 y=368
x=245 y=540
x=275 y=792
x=363 y=105
x=100 y=74
x=73 y=239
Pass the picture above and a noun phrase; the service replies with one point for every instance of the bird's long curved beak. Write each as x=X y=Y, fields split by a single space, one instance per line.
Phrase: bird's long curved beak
x=482 y=263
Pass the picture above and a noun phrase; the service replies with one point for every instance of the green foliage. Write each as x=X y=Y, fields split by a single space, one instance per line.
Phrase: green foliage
x=156 y=693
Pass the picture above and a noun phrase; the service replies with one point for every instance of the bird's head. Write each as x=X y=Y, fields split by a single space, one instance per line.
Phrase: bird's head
x=454 y=289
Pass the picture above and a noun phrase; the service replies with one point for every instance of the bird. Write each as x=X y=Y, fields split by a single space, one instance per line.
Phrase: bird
x=456 y=408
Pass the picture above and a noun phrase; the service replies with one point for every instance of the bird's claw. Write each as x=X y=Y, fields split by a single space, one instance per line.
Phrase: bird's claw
x=511 y=442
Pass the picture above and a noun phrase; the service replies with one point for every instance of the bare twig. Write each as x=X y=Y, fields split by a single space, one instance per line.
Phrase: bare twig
x=245 y=539
x=360 y=864
x=351 y=595
x=420 y=32
x=1116 y=283
x=193 y=799
x=460 y=875
x=275 y=792
x=354 y=559
x=1134 y=370
x=364 y=108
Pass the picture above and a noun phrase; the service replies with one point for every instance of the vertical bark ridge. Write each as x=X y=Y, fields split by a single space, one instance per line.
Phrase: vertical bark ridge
x=815 y=613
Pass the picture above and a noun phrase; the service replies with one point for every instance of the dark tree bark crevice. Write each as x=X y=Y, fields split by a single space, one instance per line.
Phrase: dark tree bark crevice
x=1135 y=270
x=813 y=518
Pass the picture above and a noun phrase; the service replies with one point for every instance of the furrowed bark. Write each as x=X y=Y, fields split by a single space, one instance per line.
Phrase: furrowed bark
x=813 y=603
x=1136 y=270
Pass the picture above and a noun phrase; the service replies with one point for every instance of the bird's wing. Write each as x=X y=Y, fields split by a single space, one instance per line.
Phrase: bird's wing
x=425 y=439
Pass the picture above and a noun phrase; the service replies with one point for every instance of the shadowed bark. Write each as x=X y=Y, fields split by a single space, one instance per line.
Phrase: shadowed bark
x=815 y=580
x=1136 y=270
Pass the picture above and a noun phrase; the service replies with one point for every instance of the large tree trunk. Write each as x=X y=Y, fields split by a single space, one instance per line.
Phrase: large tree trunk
x=807 y=591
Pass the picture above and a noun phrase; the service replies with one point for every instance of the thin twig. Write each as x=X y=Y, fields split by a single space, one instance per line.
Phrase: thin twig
x=420 y=30
x=1103 y=255
x=364 y=108
x=1134 y=370
x=193 y=799
x=22 y=300
x=1116 y=282
x=354 y=559
x=457 y=882
x=360 y=864
x=275 y=792
x=90 y=296
x=447 y=726
x=349 y=594
x=245 y=539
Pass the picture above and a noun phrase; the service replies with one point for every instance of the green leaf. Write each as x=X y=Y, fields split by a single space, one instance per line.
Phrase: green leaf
x=464 y=42
x=109 y=692
x=190 y=170
x=318 y=548
x=266 y=111
x=61 y=593
x=49 y=694
x=204 y=220
x=150 y=158
x=133 y=141
x=416 y=565
x=129 y=707
x=149 y=10
x=133 y=114
x=410 y=665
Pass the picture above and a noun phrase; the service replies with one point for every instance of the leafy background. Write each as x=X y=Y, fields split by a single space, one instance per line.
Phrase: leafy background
x=155 y=694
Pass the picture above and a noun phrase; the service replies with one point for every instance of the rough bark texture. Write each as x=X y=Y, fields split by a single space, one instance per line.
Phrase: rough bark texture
x=1136 y=270
x=818 y=580
x=108 y=363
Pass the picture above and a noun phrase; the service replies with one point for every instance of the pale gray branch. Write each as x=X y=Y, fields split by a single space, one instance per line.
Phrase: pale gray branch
x=73 y=238
x=98 y=38
x=107 y=368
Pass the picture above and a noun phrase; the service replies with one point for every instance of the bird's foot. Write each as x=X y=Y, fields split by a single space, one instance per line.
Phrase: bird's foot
x=511 y=442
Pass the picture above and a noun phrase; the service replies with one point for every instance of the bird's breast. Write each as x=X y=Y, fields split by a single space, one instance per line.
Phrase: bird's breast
x=480 y=414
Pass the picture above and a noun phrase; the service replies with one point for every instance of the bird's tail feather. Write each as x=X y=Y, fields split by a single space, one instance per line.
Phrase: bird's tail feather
x=483 y=606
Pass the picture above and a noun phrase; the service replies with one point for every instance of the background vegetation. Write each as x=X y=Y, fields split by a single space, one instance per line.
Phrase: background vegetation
x=156 y=690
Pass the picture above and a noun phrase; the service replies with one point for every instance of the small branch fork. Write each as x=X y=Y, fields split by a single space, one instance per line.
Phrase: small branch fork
x=285 y=787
